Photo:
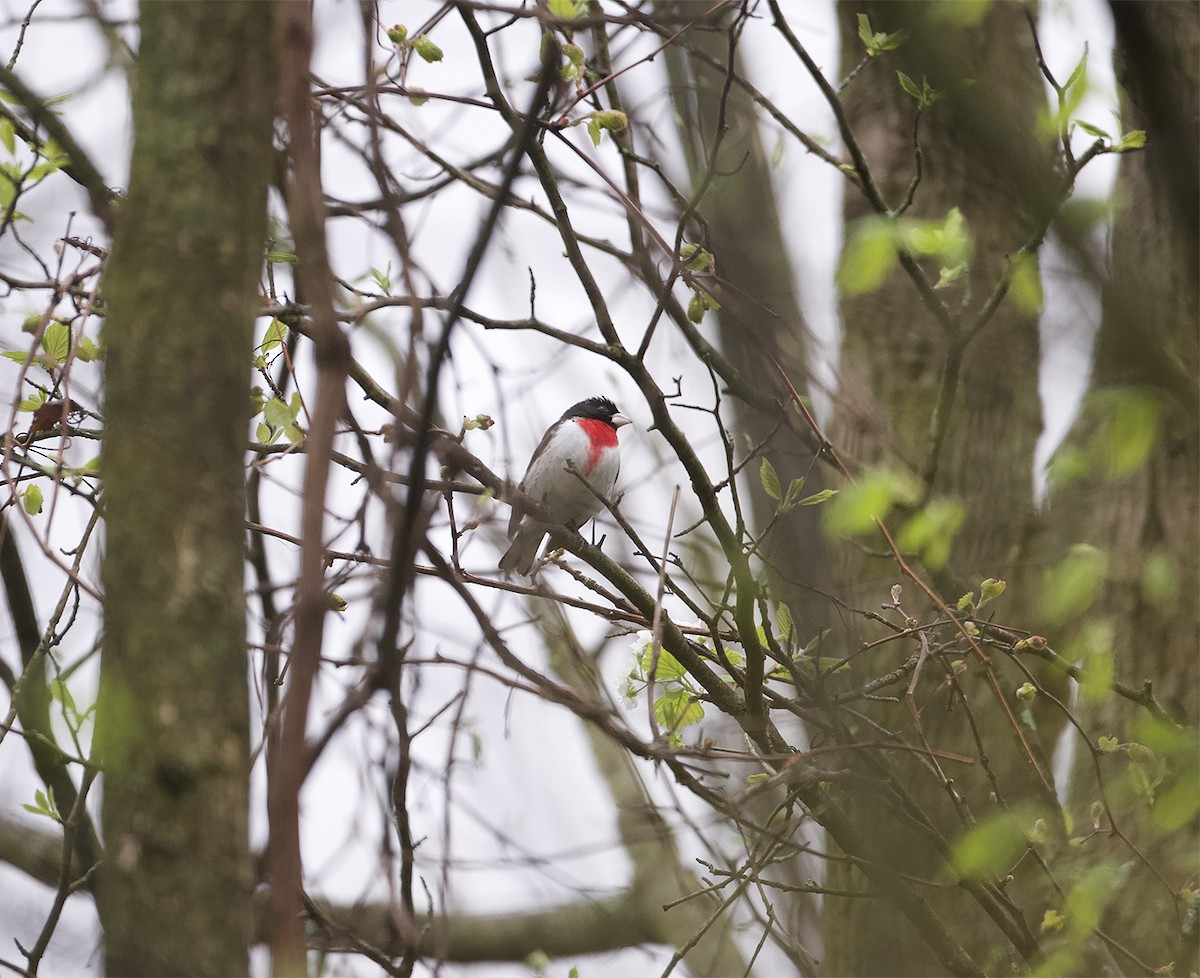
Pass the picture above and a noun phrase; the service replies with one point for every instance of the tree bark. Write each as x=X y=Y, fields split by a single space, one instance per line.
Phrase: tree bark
x=905 y=371
x=1144 y=515
x=174 y=891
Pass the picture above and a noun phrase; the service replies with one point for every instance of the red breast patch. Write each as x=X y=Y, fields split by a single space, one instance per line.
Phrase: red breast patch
x=601 y=437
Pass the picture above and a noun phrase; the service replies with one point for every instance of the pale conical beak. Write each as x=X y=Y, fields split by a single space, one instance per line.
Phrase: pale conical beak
x=619 y=419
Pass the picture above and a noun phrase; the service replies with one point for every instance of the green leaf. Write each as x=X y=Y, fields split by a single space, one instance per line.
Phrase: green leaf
x=989 y=849
x=792 y=497
x=991 y=589
x=1092 y=648
x=31 y=499
x=948 y=240
x=865 y=34
x=1160 y=579
x=948 y=276
x=930 y=531
x=8 y=135
x=784 y=622
x=770 y=480
x=611 y=119
x=568 y=10
x=593 y=128
x=1135 y=139
x=963 y=13
x=909 y=85
x=1092 y=130
x=278 y=414
x=818 y=497
x=965 y=602
x=1025 y=284
x=33 y=402
x=669 y=668
x=1069 y=588
x=1131 y=429
x=1079 y=74
x=273 y=336
x=87 y=351
x=425 y=47
x=383 y=279
x=872 y=497
x=678 y=708
x=56 y=341
x=868 y=256
x=281 y=257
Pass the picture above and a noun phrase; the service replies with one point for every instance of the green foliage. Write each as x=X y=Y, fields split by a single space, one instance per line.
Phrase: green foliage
x=923 y=93
x=1025 y=283
x=426 y=49
x=1092 y=647
x=1133 y=419
x=962 y=13
x=770 y=480
x=677 y=708
x=699 y=305
x=1125 y=425
x=44 y=804
x=697 y=259
x=31 y=500
x=677 y=704
x=1159 y=579
x=868 y=256
x=567 y=10
x=1071 y=927
x=1070 y=587
x=872 y=498
x=876 y=42
x=989 y=849
x=611 y=120
x=33 y=402
x=871 y=249
x=281 y=419
x=930 y=531
x=274 y=335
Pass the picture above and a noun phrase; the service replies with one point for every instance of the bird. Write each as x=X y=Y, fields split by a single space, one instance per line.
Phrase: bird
x=583 y=442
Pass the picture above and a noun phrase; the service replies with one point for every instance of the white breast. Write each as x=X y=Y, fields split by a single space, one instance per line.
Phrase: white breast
x=563 y=496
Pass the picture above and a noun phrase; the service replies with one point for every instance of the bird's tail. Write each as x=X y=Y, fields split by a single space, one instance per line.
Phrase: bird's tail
x=520 y=555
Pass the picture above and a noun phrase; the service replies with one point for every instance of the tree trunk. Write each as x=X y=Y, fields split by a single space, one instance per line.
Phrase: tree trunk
x=1141 y=506
x=174 y=894
x=904 y=371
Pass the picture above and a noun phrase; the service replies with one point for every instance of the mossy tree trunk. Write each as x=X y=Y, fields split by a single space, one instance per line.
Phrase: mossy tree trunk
x=173 y=727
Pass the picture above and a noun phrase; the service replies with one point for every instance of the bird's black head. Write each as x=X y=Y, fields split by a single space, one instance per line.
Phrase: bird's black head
x=598 y=409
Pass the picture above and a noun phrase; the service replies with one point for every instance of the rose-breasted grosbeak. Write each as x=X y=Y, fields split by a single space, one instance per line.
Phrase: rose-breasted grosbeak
x=583 y=442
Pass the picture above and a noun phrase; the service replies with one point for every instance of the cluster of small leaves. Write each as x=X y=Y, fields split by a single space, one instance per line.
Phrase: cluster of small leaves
x=279 y=418
x=699 y=262
x=877 y=42
x=874 y=244
x=602 y=120
x=925 y=95
x=422 y=44
x=15 y=178
x=793 y=497
x=678 y=703
x=55 y=348
x=1125 y=424
x=44 y=805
